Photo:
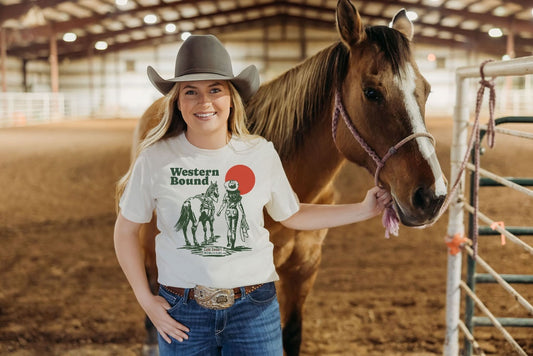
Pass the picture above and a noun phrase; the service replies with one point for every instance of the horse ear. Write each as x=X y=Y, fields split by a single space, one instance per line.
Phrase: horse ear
x=349 y=23
x=401 y=23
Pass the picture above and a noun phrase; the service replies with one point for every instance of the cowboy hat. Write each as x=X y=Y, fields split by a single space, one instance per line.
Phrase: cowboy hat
x=231 y=185
x=203 y=57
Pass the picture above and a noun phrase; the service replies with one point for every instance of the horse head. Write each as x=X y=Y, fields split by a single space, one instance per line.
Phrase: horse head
x=212 y=191
x=384 y=95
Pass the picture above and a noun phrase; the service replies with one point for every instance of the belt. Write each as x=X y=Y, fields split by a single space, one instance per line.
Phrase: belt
x=213 y=298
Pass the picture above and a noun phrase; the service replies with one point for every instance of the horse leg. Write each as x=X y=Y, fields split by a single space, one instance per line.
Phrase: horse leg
x=187 y=242
x=212 y=238
x=147 y=239
x=203 y=220
x=194 y=227
x=297 y=277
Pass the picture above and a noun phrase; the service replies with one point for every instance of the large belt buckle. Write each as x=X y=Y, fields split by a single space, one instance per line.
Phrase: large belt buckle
x=213 y=298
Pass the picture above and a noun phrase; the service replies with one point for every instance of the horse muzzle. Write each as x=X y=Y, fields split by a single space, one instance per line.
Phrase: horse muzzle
x=422 y=209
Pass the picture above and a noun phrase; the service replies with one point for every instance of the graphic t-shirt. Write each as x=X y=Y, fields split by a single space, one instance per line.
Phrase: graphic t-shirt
x=209 y=206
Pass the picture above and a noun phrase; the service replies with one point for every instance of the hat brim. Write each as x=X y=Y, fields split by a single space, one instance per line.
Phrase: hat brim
x=246 y=83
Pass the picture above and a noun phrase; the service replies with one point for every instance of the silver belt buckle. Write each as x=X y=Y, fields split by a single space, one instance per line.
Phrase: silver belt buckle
x=213 y=298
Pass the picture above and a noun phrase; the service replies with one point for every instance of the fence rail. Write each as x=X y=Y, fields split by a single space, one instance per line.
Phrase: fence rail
x=21 y=109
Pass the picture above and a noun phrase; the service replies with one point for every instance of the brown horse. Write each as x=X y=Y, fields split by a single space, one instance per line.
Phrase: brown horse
x=384 y=94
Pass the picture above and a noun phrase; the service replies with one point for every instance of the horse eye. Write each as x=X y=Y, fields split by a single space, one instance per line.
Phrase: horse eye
x=373 y=94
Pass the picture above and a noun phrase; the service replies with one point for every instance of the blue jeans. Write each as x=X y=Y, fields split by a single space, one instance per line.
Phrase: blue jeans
x=251 y=326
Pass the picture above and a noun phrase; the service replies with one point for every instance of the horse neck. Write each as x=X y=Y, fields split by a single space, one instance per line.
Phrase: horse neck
x=315 y=164
x=294 y=112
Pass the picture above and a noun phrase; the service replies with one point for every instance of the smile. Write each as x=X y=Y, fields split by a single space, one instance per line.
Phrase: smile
x=205 y=115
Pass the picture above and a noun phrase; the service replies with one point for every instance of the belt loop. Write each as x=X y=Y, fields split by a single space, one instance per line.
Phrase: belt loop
x=243 y=292
x=186 y=292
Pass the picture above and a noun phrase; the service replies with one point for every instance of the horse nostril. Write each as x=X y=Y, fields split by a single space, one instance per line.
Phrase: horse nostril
x=421 y=198
x=425 y=199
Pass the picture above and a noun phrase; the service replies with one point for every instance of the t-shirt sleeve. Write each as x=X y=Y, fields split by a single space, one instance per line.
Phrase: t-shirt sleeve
x=283 y=201
x=137 y=202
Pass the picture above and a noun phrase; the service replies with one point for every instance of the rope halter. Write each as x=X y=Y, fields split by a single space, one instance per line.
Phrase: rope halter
x=380 y=162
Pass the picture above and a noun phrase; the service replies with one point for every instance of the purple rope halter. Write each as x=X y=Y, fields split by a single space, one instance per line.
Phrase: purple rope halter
x=390 y=219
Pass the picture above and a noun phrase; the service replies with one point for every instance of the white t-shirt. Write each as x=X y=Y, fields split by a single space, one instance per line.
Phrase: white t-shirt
x=192 y=187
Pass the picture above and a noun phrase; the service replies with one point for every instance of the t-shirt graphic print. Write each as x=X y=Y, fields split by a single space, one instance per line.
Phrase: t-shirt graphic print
x=198 y=213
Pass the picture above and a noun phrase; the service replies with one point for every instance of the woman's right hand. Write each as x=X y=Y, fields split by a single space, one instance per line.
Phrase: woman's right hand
x=130 y=258
x=156 y=308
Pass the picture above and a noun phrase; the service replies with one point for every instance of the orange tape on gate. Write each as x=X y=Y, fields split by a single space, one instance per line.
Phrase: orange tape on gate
x=455 y=243
x=501 y=224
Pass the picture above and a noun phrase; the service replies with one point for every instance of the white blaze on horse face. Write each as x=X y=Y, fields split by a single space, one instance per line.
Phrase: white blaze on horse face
x=407 y=85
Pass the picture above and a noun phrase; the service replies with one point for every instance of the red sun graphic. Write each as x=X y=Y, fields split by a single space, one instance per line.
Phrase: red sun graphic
x=243 y=175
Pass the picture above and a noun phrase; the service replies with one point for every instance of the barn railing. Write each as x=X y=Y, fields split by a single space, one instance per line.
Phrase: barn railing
x=21 y=109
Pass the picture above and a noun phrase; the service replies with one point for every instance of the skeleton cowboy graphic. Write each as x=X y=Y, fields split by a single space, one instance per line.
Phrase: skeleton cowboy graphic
x=232 y=203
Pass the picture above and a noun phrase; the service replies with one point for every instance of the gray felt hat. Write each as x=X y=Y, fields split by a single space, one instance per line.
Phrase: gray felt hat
x=203 y=57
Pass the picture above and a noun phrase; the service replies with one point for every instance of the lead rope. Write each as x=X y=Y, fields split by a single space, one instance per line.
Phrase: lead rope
x=473 y=143
x=490 y=141
x=390 y=219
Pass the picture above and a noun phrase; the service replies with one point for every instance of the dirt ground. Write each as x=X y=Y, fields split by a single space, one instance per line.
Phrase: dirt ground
x=63 y=293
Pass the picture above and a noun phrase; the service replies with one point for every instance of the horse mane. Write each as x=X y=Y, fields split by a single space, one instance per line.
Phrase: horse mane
x=283 y=109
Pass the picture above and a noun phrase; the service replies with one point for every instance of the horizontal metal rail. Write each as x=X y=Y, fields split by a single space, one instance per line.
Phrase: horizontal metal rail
x=524 y=182
x=521 y=300
x=513 y=322
x=493 y=319
x=517 y=66
x=515 y=230
x=509 y=132
x=509 y=278
x=501 y=230
x=501 y=180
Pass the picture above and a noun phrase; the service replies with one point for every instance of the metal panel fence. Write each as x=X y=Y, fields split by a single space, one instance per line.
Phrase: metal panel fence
x=515 y=67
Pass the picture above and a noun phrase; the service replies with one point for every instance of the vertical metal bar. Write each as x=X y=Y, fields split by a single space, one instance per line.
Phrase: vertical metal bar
x=470 y=269
x=455 y=221
x=470 y=281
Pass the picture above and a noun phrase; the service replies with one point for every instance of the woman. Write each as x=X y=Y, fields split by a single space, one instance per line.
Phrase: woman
x=217 y=297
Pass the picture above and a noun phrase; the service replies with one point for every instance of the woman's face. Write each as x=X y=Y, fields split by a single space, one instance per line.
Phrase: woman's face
x=205 y=107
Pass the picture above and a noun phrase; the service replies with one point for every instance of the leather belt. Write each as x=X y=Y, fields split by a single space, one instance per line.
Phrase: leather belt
x=213 y=298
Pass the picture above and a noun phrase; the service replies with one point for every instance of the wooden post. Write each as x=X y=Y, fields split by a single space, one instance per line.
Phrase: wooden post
x=508 y=86
x=3 y=58
x=303 y=43
x=54 y=70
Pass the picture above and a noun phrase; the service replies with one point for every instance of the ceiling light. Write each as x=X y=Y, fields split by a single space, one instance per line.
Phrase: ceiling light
x=121 y=2
x=495 y=32
x=411 y=15
x=69 y=37
x=500 y=11
x=100 y=45
x=185 y=35
x=150 y=19
x=432 y=57
x=170 y=28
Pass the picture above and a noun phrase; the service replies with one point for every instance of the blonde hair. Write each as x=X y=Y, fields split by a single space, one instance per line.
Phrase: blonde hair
x=173 y=124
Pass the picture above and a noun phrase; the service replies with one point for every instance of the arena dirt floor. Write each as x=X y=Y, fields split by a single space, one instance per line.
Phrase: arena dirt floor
x=63 y=293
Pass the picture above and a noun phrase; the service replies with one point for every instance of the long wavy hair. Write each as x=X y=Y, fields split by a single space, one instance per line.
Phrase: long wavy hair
x=173 y=124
